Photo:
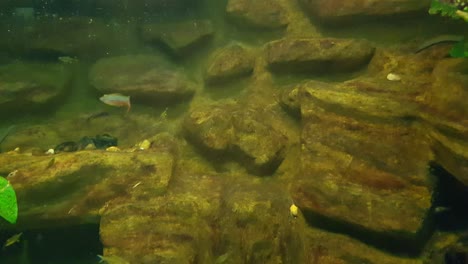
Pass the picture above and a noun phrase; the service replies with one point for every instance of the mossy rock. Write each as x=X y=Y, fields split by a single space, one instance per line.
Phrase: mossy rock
x=27 y=87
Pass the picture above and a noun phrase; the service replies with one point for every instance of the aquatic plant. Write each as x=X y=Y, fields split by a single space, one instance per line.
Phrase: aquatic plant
x=455 y=9
x=444 y=8
x=8 y=203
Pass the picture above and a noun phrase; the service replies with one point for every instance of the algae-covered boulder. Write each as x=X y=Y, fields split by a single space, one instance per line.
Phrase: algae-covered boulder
x=335 y=9
x=242 y=134
x=446 y=113
x=147 y=79
x=88 y=180
x=317 y=55
x=174 y=228
x=259 y=13
x=438 y=86
x=181 y=38
x=27 y=87
x=229 y=63
x=363 y=164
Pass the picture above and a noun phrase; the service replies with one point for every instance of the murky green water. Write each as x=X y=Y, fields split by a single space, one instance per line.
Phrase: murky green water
x=227 y=134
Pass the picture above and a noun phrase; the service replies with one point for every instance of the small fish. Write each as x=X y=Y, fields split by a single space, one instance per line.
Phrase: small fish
x=12 y=240
x=67 y=59
x=116 y=99
x=112 y=260
x=441 y=209
x=96 y=115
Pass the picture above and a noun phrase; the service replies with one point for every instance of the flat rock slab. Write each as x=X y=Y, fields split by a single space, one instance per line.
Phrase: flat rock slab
x=229 y=63
x=146 y=79
x=181 y=38
x=259 y=13
x=24 y=87
x=73 y=187
x=317 y=55
x=334 y=9
x=362 y=163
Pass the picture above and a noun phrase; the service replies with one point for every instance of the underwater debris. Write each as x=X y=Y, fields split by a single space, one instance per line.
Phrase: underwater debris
x=12 y=174
x=68 y=146
x=144 y=145
x=113 y=149
x=393 y=77
x=50 y=152
x=103 y=141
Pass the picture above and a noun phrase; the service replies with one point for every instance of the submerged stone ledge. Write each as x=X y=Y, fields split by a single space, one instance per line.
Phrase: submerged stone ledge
x=371 y=172
x=317 y=55
x=72 y=187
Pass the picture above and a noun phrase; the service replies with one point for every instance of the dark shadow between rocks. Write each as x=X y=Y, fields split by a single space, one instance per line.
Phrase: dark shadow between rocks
x=356 y=20
x=450 y=201
x=401 y=244
x=72 y=244
x=221 y=159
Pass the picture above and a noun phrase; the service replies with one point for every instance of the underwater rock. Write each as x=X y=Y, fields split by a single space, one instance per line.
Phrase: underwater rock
x=436 y=85
x=172 y=228
x=260 y=13
x=337 y=9
x=103 y=141
x=146 y=79
x=182 y=38
x=31 y=87
x=258 y=224
x=445 y=112
x=229 y=63
x=51 y=37
x=242 y=134
x=364 y=164
x=72 y=187
x=317 y=55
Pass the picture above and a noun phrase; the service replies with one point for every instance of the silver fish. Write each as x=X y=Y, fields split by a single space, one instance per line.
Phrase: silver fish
x=116 y=99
